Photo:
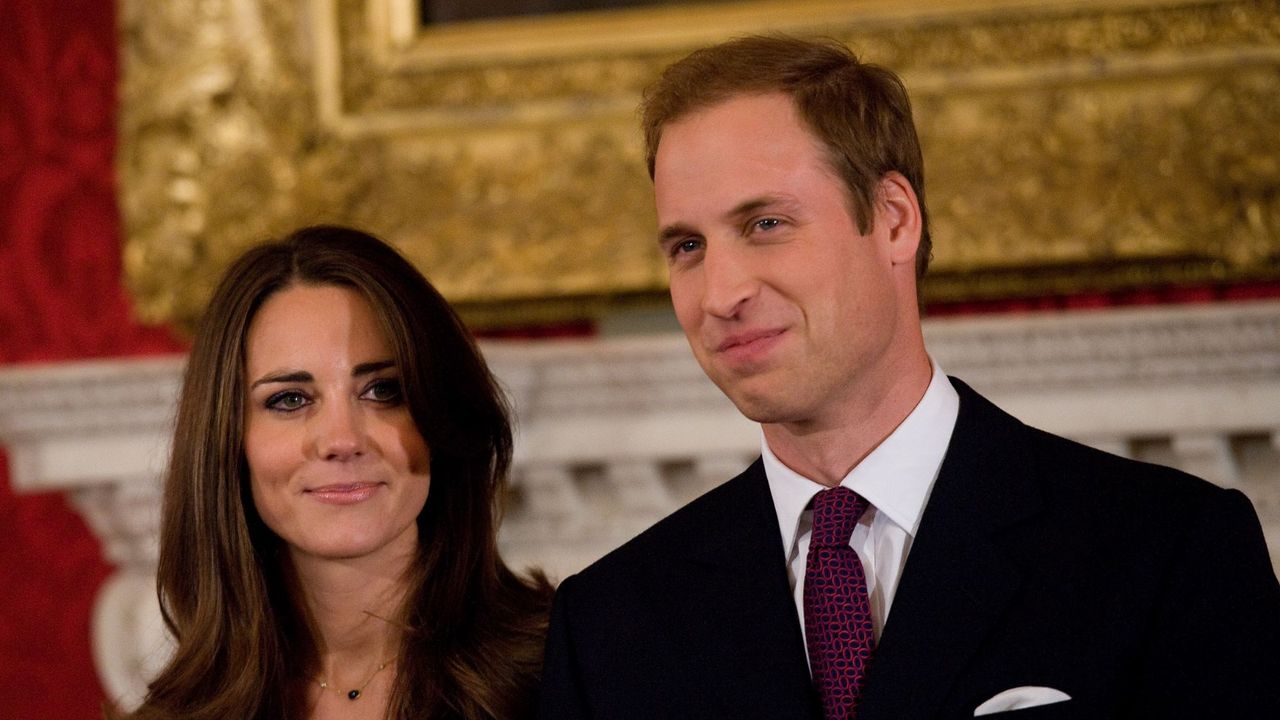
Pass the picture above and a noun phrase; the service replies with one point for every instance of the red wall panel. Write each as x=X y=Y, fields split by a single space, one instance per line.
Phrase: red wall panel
x=61 y=298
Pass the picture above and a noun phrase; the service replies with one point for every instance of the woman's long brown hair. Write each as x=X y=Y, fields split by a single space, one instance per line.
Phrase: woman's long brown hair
x=245 y=648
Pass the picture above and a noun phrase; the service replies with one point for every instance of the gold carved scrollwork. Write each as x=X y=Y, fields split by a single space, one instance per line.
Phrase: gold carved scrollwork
x=1069 y=146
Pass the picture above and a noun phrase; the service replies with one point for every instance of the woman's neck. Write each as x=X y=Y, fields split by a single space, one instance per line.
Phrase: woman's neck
x=355 y=609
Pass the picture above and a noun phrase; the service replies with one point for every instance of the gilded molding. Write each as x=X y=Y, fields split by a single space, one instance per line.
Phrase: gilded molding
x=1069 y=146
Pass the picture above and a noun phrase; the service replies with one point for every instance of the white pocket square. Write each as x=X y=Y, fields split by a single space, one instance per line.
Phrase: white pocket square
x=1020 y=698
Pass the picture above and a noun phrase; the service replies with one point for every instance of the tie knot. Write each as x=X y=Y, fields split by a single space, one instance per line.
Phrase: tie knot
x=835 y=514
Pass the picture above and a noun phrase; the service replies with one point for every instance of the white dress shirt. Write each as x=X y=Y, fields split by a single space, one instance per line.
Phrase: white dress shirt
x=895 y=478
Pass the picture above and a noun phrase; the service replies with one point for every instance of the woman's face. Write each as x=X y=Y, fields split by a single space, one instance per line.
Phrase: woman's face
x=336 y=465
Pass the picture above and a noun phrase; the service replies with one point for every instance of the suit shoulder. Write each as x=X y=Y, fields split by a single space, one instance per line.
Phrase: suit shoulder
x=1077 y=475
x=1073 y=467
x=1075 y=457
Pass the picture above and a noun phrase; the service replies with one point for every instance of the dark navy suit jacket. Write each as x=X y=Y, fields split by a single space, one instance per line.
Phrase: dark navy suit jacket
x=1138 y=590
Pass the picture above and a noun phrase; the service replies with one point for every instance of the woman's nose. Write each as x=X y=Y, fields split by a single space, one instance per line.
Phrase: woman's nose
x=339 y=432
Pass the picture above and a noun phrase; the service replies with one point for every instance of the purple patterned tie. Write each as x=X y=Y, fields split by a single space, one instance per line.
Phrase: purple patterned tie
x=837 y=612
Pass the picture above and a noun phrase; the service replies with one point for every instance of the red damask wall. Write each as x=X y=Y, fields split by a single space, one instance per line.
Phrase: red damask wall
x=60 y=298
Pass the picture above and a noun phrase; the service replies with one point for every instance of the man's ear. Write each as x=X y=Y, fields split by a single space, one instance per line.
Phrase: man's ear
x=898 y=208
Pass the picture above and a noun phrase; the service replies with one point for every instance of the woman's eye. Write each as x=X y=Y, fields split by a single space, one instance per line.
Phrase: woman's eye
x=384 y=391
x=287 y=401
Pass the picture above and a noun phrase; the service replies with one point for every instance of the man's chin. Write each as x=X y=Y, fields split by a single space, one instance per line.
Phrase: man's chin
x=763 y=397
x=759 y=405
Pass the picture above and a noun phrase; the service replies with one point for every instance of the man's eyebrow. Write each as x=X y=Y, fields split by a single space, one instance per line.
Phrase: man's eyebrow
x=286 y=376
x=672 y=232
x=784 y=202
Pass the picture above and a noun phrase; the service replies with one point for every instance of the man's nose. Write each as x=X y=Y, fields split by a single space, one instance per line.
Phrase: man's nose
x=729 y=281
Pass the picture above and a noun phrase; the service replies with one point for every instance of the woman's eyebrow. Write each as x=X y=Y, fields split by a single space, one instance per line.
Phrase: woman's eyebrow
x=372 y=367
x=289 y=376
x=283 y=376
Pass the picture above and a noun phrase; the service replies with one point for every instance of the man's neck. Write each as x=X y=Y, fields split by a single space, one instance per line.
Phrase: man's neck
x=827 y=448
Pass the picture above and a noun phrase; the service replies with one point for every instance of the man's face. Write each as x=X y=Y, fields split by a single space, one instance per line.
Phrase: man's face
x=789 y=309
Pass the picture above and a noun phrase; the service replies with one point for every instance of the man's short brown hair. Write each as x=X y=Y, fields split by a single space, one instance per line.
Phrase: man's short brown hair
x=859 y=111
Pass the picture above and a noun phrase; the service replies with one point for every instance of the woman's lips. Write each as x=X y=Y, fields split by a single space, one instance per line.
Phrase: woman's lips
x=345 y=493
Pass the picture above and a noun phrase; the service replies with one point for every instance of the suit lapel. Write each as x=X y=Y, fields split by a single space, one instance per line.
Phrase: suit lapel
x=957 y=581
x=741 y=560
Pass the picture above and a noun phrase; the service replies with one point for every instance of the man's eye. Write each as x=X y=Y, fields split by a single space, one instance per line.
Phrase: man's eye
x=384 y=391
x=686 y=246
x=286 y=401
x=767 y=223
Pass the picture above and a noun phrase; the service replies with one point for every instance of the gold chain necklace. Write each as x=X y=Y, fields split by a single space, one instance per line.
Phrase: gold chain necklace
x=354 y=693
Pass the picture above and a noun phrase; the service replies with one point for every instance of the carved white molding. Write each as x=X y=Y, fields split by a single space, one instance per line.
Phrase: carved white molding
x=612 y=434
x=100 y=432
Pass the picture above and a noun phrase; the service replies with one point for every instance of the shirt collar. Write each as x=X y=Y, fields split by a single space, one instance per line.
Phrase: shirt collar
x=896 y=477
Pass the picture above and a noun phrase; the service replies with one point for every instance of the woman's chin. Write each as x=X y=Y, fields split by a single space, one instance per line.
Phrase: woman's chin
x=353 y=546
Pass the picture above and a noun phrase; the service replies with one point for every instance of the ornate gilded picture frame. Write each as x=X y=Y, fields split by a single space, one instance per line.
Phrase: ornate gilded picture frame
x=1070 y=146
